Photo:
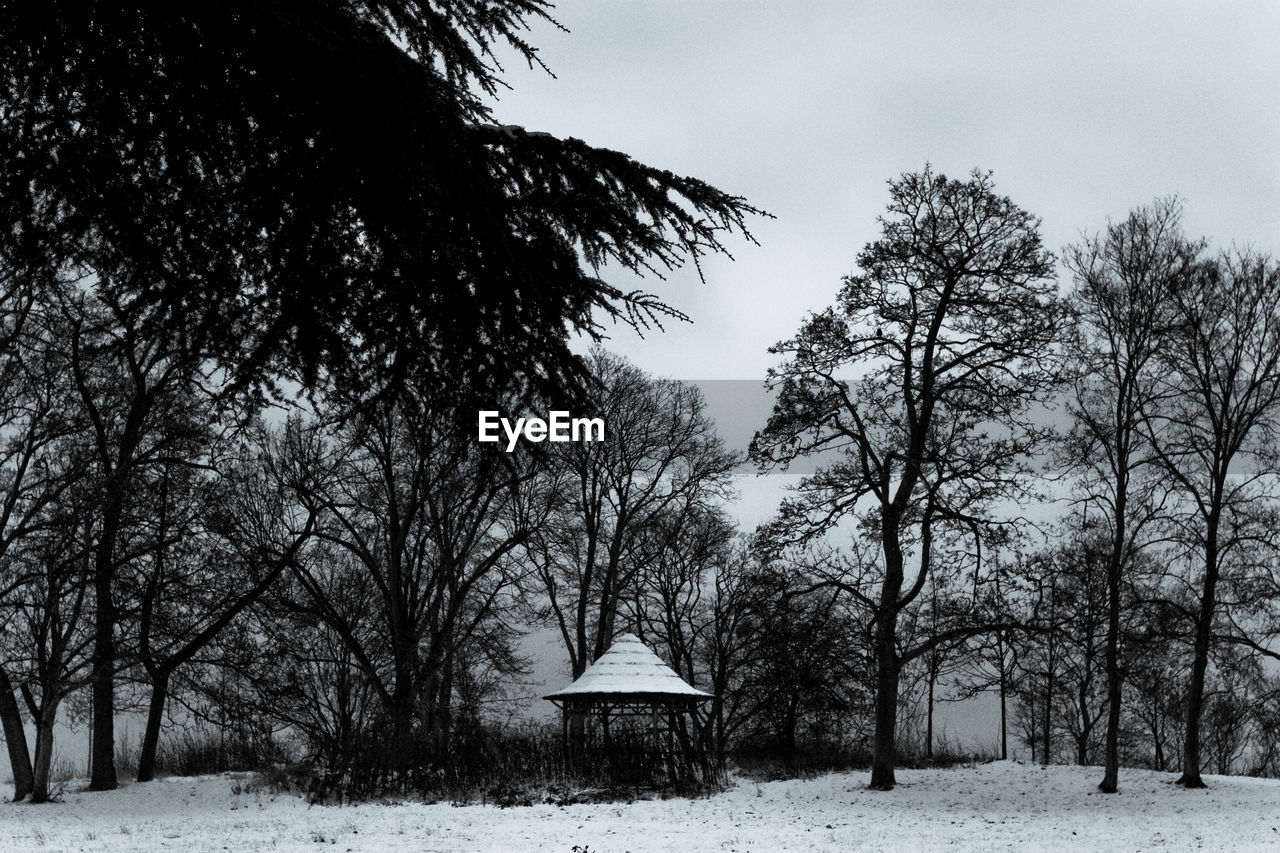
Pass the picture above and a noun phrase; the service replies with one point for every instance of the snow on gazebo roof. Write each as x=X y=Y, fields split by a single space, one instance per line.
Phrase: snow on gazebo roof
x=629 y=670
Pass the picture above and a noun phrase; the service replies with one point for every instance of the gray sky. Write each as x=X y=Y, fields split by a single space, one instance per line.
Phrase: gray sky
x=1082 y=110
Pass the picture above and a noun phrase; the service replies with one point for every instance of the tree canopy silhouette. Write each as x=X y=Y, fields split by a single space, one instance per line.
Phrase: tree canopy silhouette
x=918 y=387
x=300 y=188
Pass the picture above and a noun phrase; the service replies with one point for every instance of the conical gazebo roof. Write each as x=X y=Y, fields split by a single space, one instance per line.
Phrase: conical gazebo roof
x=629 y=673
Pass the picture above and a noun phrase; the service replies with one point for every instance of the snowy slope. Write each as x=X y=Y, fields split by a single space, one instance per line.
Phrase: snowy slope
x=1001 y=806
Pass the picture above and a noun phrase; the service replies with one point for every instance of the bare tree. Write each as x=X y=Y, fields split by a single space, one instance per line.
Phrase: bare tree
x=729 y=645
x=411 y=507
x=220 y=534
x=52 y=614
x=1123 y=279
x=989 y=661
x=661 y=456
x=1039 y=661
x=695 y=595
x=127 y=384
x=675 y=554
x=1213 y=426
x=15 y=737
x=1081 y=587
x=302 y=672
x=948 y=334
x=809 y=675
x=39 y=464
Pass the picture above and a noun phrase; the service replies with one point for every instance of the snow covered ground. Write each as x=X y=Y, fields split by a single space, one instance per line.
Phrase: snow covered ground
x=1000 y=806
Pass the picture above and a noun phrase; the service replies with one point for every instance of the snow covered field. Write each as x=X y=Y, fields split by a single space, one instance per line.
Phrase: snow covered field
x=1000 y=806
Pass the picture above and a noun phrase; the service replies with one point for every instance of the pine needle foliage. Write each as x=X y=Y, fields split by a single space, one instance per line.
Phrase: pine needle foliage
x=305 y=189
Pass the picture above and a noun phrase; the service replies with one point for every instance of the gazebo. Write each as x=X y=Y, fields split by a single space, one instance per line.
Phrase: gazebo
x=630 y=680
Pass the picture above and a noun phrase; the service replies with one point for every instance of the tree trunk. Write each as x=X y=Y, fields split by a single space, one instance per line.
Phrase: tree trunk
x=151 y=736
x=401 y=734
x=928 y=732
x=716 y=724
x=887 y=664
x=1004 y=712
x=444 y=713
x=102 y=772
x=1086 y=727
x=789 y=722
x=1046 y=750
x=15 y=737
x=882 y=760
x=44 y=754
x=1111 y=759
x=102 y=757
x=1190 y=777
x=1031 y=734
x=1050 y=671
x=1111 y=771
x=576 y=720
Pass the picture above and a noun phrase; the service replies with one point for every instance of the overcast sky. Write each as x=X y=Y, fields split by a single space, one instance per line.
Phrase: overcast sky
x=1081 y=110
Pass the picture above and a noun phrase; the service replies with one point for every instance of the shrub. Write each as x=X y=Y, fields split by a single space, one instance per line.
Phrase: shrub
x=198 y=751
x=512 y=766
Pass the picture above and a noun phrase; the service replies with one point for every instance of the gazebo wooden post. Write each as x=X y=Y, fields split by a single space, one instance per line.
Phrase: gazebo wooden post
x=564 y=733
x=672 y=767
